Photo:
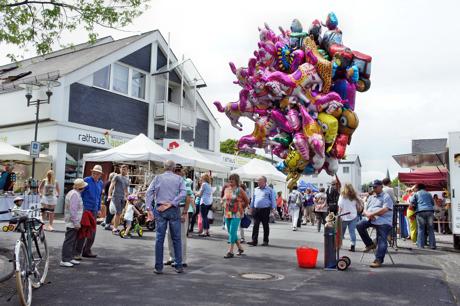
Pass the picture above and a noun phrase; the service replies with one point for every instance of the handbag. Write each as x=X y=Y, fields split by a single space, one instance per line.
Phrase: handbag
x=245 y=221
x=112 y=208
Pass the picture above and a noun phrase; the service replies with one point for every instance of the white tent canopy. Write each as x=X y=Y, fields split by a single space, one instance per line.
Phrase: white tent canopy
x=256 y=168
x=197 y=159
x=11 y=153
x=140 y=148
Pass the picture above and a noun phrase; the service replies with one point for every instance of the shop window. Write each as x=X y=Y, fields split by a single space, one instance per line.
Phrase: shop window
x=346 y=170
x=120 y=78
x=101 y=78
x=138 y=84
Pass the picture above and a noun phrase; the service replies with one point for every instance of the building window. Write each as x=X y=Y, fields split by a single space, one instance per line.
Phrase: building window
x=346 y=169
x=170 y=92
x=120 y=78
x=101 y=78
x=138 y=84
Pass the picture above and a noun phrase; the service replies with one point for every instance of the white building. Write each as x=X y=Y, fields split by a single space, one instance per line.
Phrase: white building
x=349 y=172
x=109 y=92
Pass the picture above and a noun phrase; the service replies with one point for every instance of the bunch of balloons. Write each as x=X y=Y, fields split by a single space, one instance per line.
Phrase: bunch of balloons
x=299 y=89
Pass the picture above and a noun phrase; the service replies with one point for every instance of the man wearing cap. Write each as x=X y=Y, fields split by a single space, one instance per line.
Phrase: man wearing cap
x=379 y=213
x=167 y=190
x=91 y=196
x=72 y=217
x=184 y=207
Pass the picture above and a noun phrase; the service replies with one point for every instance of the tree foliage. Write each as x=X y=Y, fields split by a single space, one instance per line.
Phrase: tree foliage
x=39 y=24
x=229 y=146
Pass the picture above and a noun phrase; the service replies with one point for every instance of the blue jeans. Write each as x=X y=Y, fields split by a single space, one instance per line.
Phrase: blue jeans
x=170 y=216
x=425 y=220
x=403 y=225
x=351 y=228
x=204 y=209
x=382 y=235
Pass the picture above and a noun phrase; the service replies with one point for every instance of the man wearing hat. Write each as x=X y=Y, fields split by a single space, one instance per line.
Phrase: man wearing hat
x=91 y=196
x=379 y=214
x=72 y=216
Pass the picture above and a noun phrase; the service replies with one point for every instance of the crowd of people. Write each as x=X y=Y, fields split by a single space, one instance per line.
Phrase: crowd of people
x=176 y=209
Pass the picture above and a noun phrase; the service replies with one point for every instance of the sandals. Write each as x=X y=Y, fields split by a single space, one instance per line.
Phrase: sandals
x=229 y=255
x=240 y=252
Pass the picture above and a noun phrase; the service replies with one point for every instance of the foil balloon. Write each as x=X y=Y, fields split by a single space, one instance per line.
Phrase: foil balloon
x=299 y=88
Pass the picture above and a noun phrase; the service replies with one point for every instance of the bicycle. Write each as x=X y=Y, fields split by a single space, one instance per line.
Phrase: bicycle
x=31 y=254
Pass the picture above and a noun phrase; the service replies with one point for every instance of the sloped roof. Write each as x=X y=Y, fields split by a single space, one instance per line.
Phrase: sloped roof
x=68 y=60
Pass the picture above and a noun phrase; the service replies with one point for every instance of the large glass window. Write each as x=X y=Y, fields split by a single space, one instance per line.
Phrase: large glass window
x=138 y=84
x=120 y=78
x=101 y=78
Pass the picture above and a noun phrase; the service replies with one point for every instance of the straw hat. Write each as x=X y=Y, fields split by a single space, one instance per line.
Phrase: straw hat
x=79 y=183
x=97 y=168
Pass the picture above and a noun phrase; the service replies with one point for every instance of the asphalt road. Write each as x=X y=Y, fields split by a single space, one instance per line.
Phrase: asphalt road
x=123 y=275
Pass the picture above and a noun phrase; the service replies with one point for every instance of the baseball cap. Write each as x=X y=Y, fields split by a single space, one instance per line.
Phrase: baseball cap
x=377 y=183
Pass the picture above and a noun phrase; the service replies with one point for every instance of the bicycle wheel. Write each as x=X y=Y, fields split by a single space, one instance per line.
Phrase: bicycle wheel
x=23 y=280
x=40 y=257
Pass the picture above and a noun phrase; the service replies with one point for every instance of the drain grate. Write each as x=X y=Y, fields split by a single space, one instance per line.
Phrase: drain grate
x=260 y=276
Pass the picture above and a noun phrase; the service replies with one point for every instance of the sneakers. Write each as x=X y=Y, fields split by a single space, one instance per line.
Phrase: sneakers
x=179 y=270
x=294 y=229
x=375 y=264
x=77 y=257
x=75 y=262
x=66 y=264
x=229 y=255
x=168 y=263
x=240 y=252
x=157 y=271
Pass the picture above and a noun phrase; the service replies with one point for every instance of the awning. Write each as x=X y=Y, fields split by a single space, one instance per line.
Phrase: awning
x=140 y=148
x=257 y=168
x=196 y=159
x=434 y=179
x=417 y=160
x=11 y=153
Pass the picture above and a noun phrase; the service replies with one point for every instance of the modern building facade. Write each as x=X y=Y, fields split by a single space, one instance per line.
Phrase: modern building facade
x=108 y=92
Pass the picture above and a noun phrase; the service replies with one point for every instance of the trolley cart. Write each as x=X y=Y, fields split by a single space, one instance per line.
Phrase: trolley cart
x=333 y=243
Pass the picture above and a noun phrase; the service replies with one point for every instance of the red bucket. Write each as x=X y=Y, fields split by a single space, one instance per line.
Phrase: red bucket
x=307 y=257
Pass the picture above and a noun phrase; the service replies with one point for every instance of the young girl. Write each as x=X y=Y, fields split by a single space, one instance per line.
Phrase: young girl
x=49 y=192
x=130 y=209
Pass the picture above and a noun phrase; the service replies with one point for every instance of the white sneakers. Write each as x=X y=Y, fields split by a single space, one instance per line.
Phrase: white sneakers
x=69 y=264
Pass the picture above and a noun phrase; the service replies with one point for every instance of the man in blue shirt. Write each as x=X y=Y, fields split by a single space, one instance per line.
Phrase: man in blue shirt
x=423 y=203
x=167 y=190
x=379 y=214
x=262 y=203
x=91 y=197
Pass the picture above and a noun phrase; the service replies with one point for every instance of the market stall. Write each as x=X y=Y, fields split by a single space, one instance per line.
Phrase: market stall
x=139 y=153
x=197 y=160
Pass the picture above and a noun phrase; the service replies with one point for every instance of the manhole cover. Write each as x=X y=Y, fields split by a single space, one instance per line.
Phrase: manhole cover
x=260 y=276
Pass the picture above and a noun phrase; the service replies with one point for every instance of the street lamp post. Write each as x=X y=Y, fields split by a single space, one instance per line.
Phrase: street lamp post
x=29 y=88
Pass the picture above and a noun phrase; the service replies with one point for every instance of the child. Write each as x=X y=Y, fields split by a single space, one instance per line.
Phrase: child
x=17 y=205
x=130 y=209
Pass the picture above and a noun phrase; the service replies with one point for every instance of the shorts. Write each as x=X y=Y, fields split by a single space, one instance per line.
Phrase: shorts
x=119 y=204
x=128 y=222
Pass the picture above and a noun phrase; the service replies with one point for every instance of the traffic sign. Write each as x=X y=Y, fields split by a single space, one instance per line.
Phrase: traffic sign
x=35 y=149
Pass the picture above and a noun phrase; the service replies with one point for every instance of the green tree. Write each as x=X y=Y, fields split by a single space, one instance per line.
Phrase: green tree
x=228 y=146
x=41 y=23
